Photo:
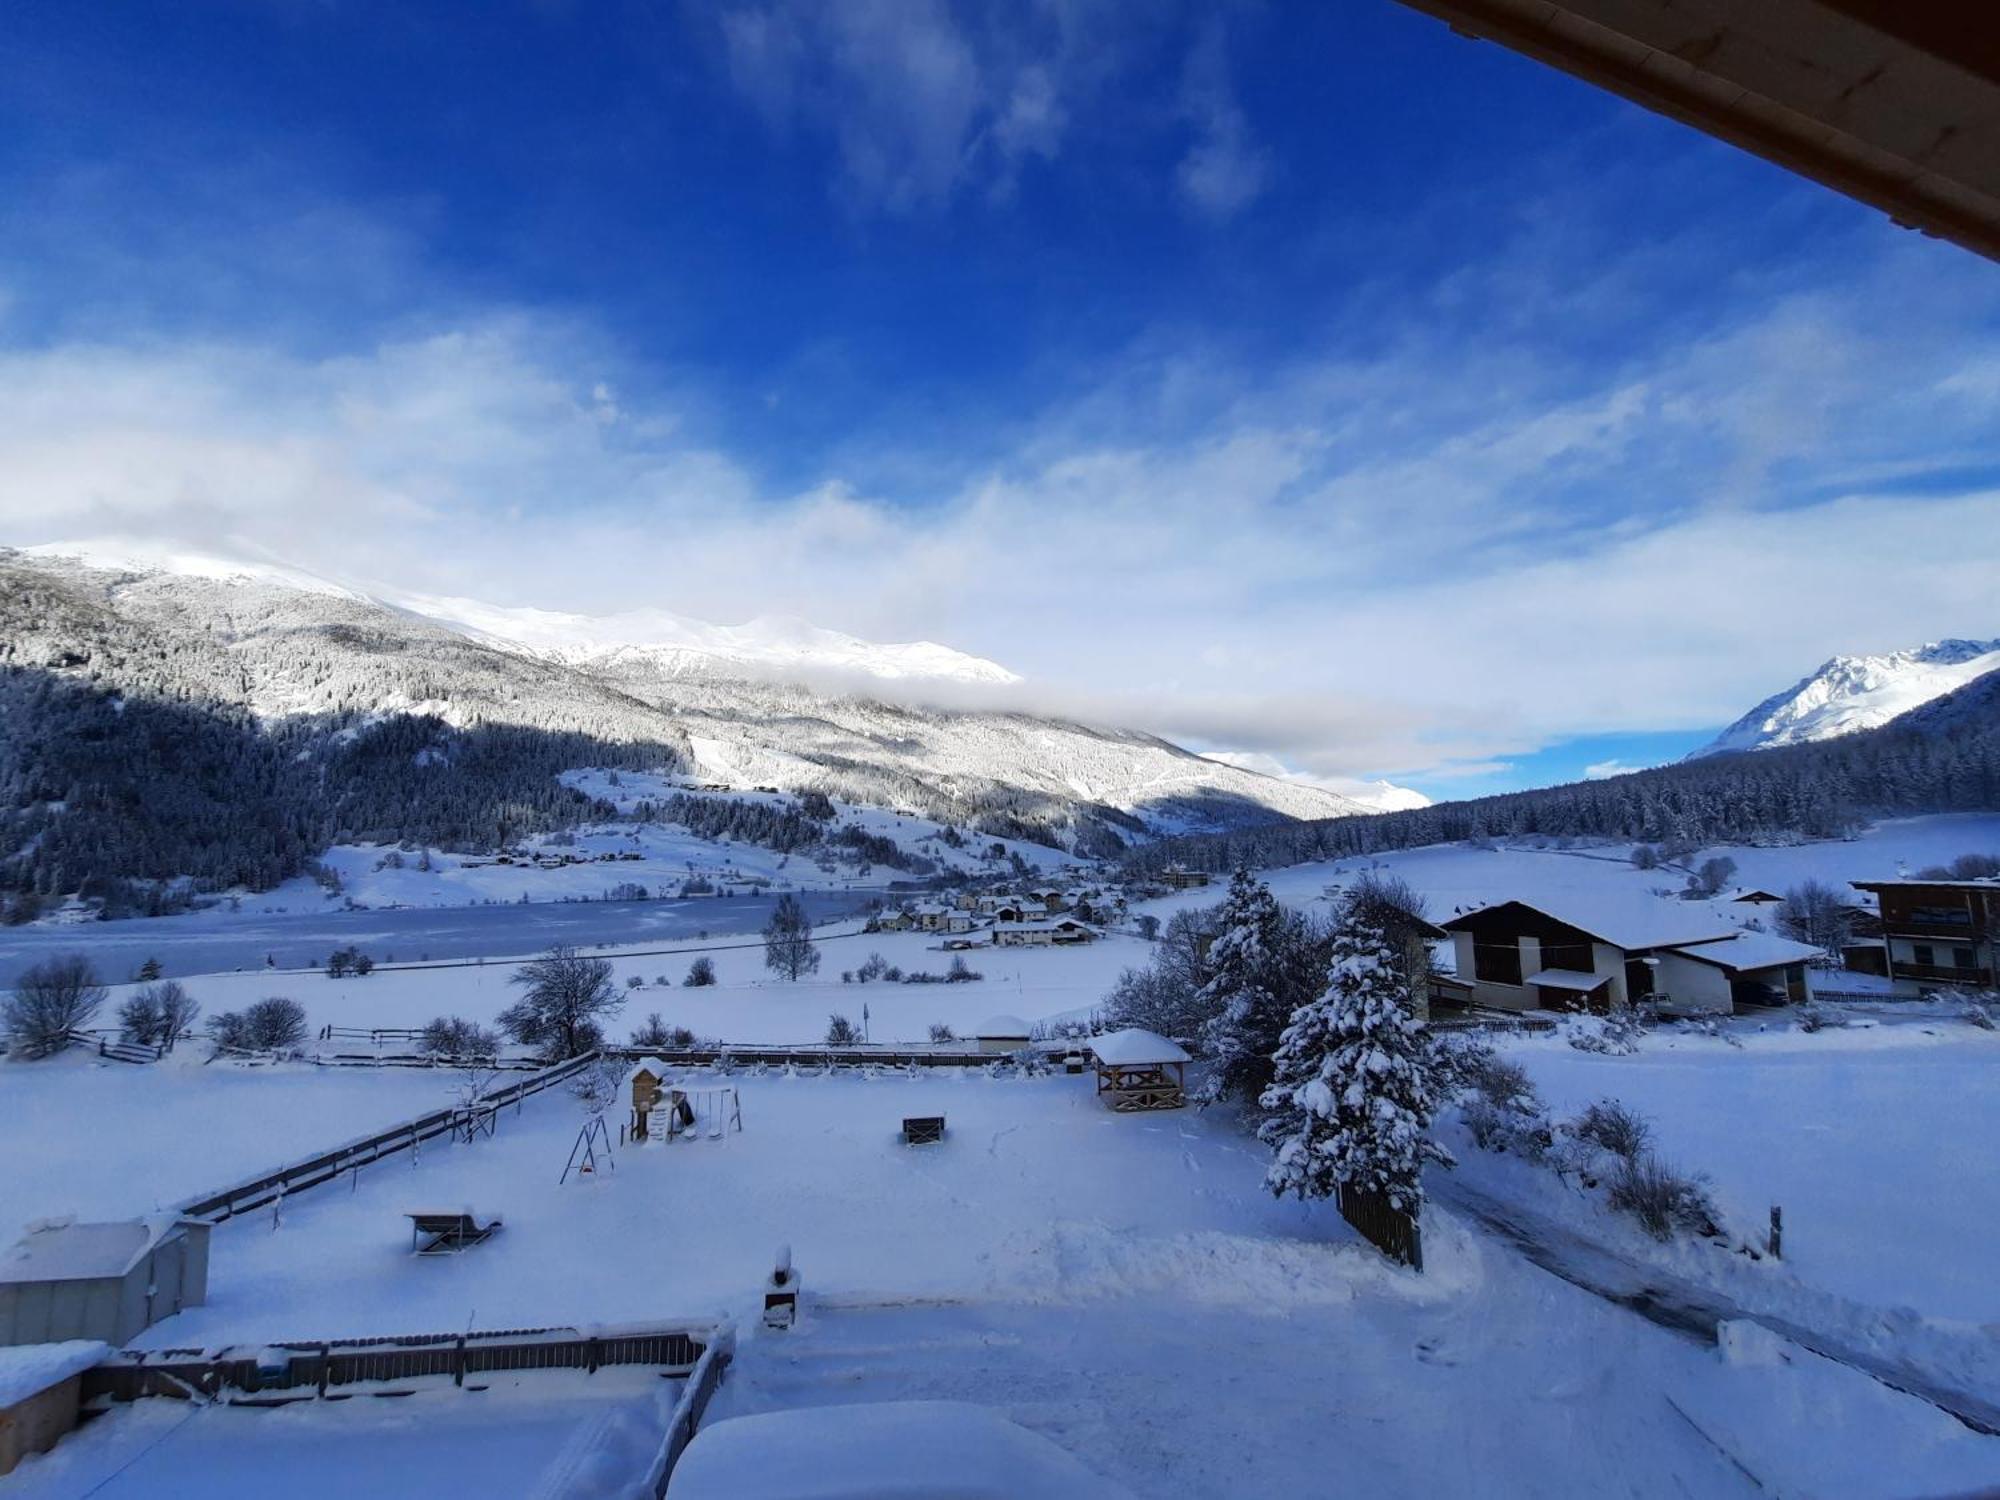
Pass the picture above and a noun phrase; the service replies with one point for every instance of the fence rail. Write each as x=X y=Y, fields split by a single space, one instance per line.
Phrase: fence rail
x=304 y=1370
x=688 y=1411
x=255 y=1192
x=845 y=1057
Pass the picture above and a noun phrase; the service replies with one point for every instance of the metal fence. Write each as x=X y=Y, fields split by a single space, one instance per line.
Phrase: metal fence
x=304 y=1371
x=255 y=1192
x=1385 y=1226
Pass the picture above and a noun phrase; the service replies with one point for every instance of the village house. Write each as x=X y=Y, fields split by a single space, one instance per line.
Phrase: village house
x=1061 y=930
x=1603 y=953
x=1176 y=877
x=1938 y=931
x=1016 y=909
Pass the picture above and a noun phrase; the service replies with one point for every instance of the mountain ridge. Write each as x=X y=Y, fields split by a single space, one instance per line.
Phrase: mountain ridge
x=1847 y=694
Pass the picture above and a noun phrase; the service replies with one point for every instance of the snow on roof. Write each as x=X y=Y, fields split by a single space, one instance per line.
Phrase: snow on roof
x=29 y=1369
x=1002 y=1026
x=1135 y=1047
x=63 y=1250
x=659 y=1067
x=1059 y=924
x=1751 y=950
x=1569 y=979
x=1624 y=919
x=1989 y=884
x=882 y=1448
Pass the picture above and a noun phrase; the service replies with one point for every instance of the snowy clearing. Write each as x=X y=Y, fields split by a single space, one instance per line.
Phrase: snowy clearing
x=110 y=1140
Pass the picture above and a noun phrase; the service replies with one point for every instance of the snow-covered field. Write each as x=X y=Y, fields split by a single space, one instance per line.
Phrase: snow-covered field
x=1123 y=1285
x=110 y=1140
x=1877 y=1141
x=748 y=1003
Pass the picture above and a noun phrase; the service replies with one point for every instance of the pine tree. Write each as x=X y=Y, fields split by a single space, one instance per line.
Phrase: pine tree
x=1353 y=1097
x=1244 y=1016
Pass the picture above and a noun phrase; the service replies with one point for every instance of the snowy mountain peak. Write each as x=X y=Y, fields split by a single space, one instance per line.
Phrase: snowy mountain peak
x=1851 y=693
x=668 y=643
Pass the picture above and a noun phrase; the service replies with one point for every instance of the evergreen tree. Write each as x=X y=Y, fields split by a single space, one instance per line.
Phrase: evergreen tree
x=1352 y=1099
x=1244 y=1019
x=788 y=944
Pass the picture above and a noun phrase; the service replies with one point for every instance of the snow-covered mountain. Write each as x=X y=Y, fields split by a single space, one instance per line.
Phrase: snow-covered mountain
x=1851 y=693
x=655 y=638
x=158 y=700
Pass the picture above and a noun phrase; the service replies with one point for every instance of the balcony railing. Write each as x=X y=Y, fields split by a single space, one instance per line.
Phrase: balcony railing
x=1942 y=973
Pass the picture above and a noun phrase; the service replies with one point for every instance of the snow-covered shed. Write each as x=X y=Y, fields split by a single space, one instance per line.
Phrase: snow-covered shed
x=1139 y=1069
x=1002 y=1034
x=864 y=1451
x=41 y=1394
x=1752 y=968
x=110 y=1281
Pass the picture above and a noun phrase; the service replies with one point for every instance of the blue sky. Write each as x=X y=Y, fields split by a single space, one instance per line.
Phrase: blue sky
x=1303 y=381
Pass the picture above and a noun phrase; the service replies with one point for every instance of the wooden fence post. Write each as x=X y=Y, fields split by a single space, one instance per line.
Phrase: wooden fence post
x=1777 y=1232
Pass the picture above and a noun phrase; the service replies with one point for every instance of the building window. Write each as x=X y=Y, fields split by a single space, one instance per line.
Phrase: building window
x=1941 y=916
x=1964 y=958
x=1575 y=957
x=1497 y=963
x=1920 y=953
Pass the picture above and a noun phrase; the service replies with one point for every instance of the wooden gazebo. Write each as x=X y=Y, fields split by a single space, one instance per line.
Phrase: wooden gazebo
x=1139 y=1069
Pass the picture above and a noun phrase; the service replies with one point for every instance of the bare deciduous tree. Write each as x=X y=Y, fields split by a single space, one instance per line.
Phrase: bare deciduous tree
x=54 y=998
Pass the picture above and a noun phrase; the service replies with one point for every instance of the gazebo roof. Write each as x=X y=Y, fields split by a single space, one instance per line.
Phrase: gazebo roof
x=1135 y=1047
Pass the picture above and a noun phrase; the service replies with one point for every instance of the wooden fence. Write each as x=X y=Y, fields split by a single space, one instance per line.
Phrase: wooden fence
x=824 y=1056
x=255 y=1192
x=688 y=1411
x=305 y=1371
x=1383 y=1225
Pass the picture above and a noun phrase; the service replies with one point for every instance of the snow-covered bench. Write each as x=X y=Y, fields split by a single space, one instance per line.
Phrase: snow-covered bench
x=449 y=1233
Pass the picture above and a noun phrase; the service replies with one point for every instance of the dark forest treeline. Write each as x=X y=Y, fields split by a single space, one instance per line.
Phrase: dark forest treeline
x=1943 y=757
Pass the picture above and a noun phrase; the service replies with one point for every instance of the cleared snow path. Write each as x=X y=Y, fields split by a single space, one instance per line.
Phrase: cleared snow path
x=1663 y=1298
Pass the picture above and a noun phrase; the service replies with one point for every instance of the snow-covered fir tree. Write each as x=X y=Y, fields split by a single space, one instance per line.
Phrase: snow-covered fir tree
x=1239 y=997
x=1353 y=1098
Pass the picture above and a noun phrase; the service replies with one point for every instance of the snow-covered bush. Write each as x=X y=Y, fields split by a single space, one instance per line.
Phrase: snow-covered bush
x=656 y=1035
x=453 y=1036
x=274 y=1024
x=1612 y=1127
x=841 y=1032
x=961 y=972
x=873 y=967
x=157 y=1014
x=941 y=1033
x=1615 y=1035
x=1816 y=1017
x=1982 y=1010
x=701 y=973
x=1665 y=1202
x=48 y=1002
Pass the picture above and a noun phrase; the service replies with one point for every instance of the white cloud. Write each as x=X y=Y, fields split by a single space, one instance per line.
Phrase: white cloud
x=1603 y=770
x=1427 y=560
x=920 y=98
x=1224 y=170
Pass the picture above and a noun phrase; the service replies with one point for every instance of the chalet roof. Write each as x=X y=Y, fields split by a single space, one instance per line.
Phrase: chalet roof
x=1629 y=920
x=1750 y=950
x=1135 y=1047
x=1569 y=979
x=1054 y=924
x=64 y=1250
x=1989 y=884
